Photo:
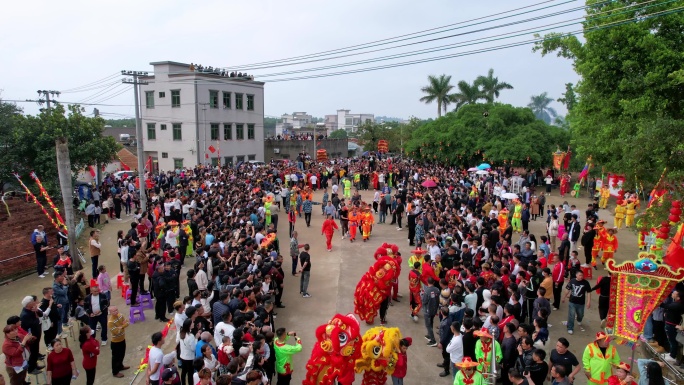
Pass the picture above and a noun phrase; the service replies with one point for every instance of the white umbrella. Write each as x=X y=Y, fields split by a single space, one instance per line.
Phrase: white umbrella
x=509 y=195
x=472 y=169
x=481 y=172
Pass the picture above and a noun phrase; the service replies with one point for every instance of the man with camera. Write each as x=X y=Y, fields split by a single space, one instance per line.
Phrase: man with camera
x=284 y=353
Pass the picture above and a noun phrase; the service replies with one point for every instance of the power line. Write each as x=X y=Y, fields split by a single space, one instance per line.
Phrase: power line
x=91 y=84
x=96 y=87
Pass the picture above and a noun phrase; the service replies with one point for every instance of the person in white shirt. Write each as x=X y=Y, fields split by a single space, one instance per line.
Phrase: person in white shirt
x=335 y=188
x=156 y=356
x=224 y=328
x=168 y=205
x=172 y=237
x=455 y=347
x=188 y=343
x=201 y=277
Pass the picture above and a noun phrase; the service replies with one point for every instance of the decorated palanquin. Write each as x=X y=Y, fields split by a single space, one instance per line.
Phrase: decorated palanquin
x=379 y=354
x=637 y=288
x=376 y=284
x=383 y=146
x=337 y=347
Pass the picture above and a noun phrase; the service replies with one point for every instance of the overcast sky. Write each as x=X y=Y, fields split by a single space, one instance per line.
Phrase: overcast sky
x=65 y=44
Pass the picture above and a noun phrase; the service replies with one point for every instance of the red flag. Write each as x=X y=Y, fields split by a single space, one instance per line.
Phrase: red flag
x=206 y=156
x=124 y=166
x=148 y=164
x=212 y=149
x=92 y=171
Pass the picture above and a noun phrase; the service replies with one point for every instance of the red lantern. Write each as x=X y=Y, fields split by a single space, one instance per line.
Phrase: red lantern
x=677 y=204
x=673 y=218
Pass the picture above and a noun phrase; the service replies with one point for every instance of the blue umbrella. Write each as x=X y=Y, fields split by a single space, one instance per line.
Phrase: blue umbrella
x=484 y=166
x=366 y=153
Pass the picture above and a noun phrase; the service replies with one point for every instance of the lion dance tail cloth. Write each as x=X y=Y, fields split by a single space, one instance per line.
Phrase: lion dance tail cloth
x=337 y=348
x=379 y=354
x=376 y=284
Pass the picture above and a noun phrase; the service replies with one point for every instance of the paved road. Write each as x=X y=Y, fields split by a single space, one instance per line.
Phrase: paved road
x=333 y=279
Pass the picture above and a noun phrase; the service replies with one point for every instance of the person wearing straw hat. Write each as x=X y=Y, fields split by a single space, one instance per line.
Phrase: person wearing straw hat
x=483 y=350
x=622 y=375
x=468 y=374
x=415 y=302
x=599 y=358
x=416 y=256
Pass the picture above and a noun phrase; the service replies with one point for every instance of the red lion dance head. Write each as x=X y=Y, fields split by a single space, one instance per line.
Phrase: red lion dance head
x=386 y=249
x=338 y=346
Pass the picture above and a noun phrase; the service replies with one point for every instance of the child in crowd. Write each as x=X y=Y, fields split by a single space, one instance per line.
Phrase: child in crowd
x=104 y=282
x=402 y=362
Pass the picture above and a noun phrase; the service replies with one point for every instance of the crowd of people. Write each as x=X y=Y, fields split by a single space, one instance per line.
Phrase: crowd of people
x=491 y=283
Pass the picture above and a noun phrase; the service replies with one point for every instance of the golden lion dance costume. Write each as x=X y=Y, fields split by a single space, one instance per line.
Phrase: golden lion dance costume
x=337 y=348
x=376 y=284
x=379 y=354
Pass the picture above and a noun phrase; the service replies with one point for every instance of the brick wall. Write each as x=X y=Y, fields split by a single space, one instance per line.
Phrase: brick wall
x=16 y=237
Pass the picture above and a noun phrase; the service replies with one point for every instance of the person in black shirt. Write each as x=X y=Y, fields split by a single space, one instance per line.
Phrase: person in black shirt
x=603 y=288
x=469 y=338
x=564 y=357
x=674 y=308
x=539 y=369
x=579 y=291
x=305 y=261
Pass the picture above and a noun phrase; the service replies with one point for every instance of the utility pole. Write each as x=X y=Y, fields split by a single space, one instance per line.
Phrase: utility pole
x=139 y=134
x=64 y=172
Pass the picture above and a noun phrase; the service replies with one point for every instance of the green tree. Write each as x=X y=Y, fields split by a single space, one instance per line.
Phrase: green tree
x=569 y=97
x=438 y=91
x=338 y=134
x=467 y=94
x=539 y=104
x=508 y=135
x=491 y=86
x=629 y=109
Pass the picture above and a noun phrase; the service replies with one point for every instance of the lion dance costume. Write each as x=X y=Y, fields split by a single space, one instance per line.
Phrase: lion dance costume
x=337 y=348
x=376 y=284
x=379 y=354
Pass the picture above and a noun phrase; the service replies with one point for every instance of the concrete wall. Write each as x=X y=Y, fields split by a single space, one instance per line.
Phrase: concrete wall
x=289 y=149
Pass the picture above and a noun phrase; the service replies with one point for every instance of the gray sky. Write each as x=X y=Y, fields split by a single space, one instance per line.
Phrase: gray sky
x=65 y=44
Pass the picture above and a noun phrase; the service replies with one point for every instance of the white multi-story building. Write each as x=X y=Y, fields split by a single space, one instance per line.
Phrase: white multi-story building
x=294 y=121
x=186 y=113
x=344 y=120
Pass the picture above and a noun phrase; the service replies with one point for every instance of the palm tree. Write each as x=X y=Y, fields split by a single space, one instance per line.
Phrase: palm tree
x=539 y=105
x=438 y=90
x=467 y=94
x=491 y=86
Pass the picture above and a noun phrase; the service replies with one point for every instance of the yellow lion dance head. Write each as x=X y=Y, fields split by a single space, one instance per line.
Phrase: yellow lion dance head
x=379 y=350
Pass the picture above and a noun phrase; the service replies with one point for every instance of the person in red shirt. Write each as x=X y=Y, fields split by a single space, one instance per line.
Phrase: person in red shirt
x=402 y=361
x=91 y=349
x=558 y=276
x=428 y=271
x=622 y=375
x=541 y=258
x=328 y=229
x=61 y=368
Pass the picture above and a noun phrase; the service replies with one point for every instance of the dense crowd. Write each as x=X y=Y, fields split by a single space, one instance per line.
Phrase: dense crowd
x=490 y=282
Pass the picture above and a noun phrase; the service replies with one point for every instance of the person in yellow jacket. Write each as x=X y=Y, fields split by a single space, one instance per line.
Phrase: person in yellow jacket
x=599 y=358
x=347 y=188
x=605 y=194
x=630 y=212
x=619 y=214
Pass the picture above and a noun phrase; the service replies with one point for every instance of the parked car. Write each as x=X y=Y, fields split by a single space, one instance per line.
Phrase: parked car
x=123 y=175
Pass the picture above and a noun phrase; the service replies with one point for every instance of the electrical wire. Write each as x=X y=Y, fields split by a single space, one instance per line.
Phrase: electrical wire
x=75 y=89
x=110 y=89
x=94 y=87
x=121 y=92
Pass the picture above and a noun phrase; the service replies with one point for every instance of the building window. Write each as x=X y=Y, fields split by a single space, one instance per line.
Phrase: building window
x=214 y=131
x=240 y=158
x=239 y=131
x=151 y=131
x=149 y=99
x=162 y=127
x=348 y=121
x=251 y=157
x=165 y=155
x=162 y=94
x=226 y=99
x=228 y=131
x=177 y=133
x=213 y=99
x=214 y=162
x=250 y=131
x=238 y=101
x=177 y=163
x=228 y=161
x=175 y=98
x=250 y=102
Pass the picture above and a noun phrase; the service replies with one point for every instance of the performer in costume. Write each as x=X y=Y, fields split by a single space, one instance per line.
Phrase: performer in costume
x=564 y=185
x=619 y=214
x=597 y=364
x=598 y=241
x=267 y=209
x=622 y=375
x=483 y=350
x=337 y=347
x=503 y=220
x=376 y=284
x=468 y=374
x=517 y=215
x=354 y=219
x=576 y=190
x=375 y=180
x=367 y=221
x=643 y=233
x=328 y=229
x=347 y=188
x=416 y=256
x=415 y=301
x=630 y=212
x=610 y=245
x=379 y=355
x=605 y=194
x=190 y=250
